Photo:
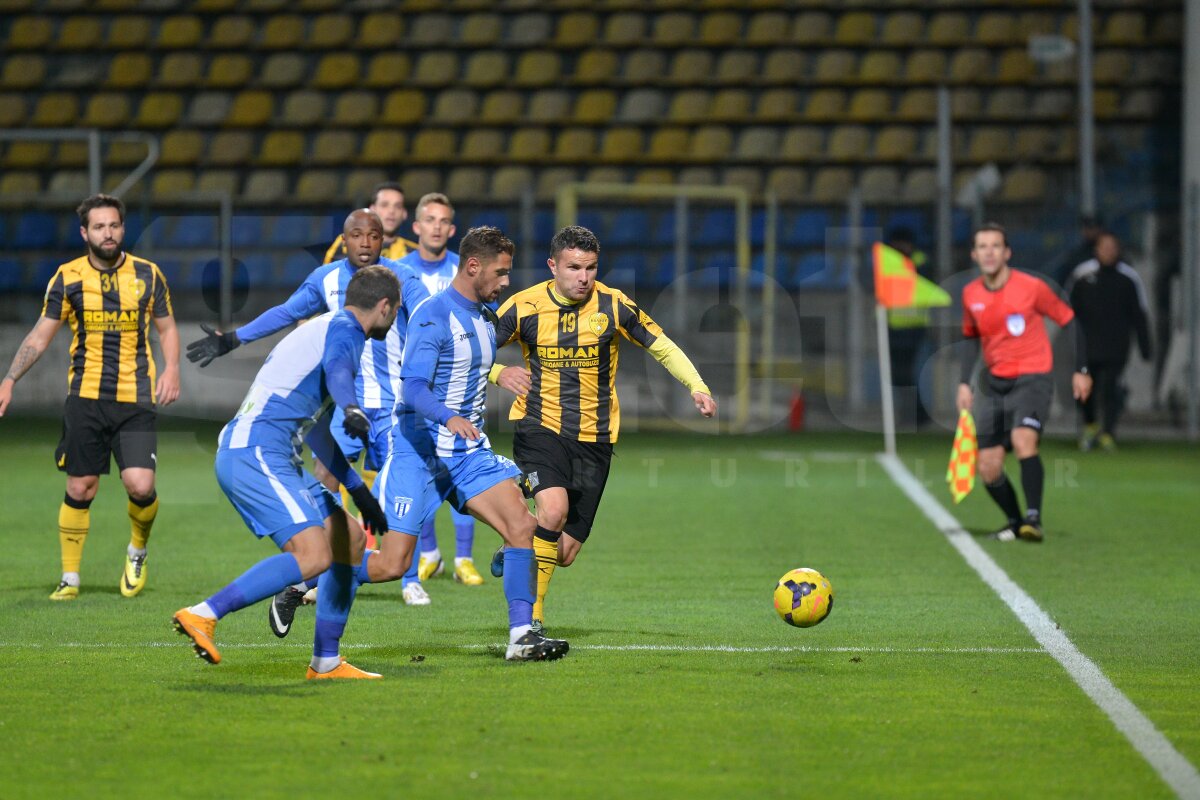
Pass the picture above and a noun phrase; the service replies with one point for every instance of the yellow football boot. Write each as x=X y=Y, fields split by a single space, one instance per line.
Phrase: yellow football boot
x=466 y=574
x=133 y=580
x=65 y=591
x=200 y=630
x=343 y=671
x=427 y=568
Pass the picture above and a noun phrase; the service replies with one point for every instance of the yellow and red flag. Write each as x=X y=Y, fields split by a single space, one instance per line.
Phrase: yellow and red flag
x=963 y=455
x=897 y=284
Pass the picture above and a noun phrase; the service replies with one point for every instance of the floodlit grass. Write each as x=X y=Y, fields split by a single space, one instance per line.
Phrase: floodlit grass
x=920 y=684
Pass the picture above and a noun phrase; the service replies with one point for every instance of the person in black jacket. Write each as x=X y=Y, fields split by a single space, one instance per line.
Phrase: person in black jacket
x=1110 y=301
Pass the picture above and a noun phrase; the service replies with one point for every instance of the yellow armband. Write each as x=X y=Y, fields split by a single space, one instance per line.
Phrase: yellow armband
x=667 y=353
x=494 y=373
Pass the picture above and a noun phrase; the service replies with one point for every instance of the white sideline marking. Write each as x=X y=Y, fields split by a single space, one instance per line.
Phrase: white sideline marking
x=1175 y=770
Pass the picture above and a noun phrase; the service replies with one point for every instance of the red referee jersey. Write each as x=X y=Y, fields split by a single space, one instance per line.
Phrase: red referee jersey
x=1009 y=320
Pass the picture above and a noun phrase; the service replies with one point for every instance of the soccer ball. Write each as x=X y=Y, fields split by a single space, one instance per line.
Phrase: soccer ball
x=803 y=597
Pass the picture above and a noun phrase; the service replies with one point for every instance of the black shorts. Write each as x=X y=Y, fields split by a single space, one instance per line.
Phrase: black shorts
x=95 y=429
x=1002 y=404
x=549 y=460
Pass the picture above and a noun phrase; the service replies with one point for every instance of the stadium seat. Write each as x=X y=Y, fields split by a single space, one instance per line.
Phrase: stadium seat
x=767 y=28
x=895 y=143
x=265 y=186
x=1126 y=28
x=190 y=231
x=228 y=71
x=645 y=66
x=802 y=144
x=757 y=143
x=832 y=185
x=966 y=103
x=435 y=69
x=129 y=71
x=917 y=105
x=970 y=64
x=55 y=110
x=848 y=143
x=509 y=183
x=948 y=28
x=879 y=184
x=337 y=71
x=697 y=176
x=1034 y=143
x=23 y=71
x=630 y=228
x=550 y=179
x=777 y=105
x=282 y=32
x=486 y=69
x=720 y=29
x=1052 y=104
x=35 y=230
x=1141 y=104
x=380 y=30
x=805 y=229
x=1014 y=66
x=302 y=108
x=127 y=154
x=281 y=149
x=856 y=29
x=549 y=106
x=430 y=30
x=920 y=186
x=812 y=28
x=13 y=109
x=870 y=105
x=331 y=147
x=809 y=270
x=689 y=105
x=251 y=109
x=537 y=68
x=668 y=144
x=1008 y=103
x=606 y=174
x=30 y=33
x=179 y=70
x=880 y=66
x=28 y=155
x=330 y=32
x=989 y=144
x=359 y=183
x=574 y=145
x=531 y=29
x=283 y=70
x=731 y=105
x=624 y=29
x=384 y=147
x=1024 y=184
x=997 y=28
x=714 y=227
x=596 y=66
x=403 y=107
x=711 y=143
x=296 y=267
x=576 y=29
x=529 y=144
x=208 y=109
x=455 y=106
x=181 y=148
x=232 y=32
x=902 y=28
x=159 y=110
x=825 y=105
x=127 y=32
x=1112 y=66
x=835 y=66
x=737 y=67
x=642 y=105
x=230 y=148
x=247 y=230
x=784 y=66
x=227 y=181
x=386 y=70
x=654 y=176
x=180 y=32
x=502 y=107
x=467 y=183
x=673 y=29
x=293 y=231
x=925 y=66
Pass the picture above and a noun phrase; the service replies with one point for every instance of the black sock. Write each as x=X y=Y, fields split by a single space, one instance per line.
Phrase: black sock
x=1033 y=478
x=547 y=534
x=1002 y=492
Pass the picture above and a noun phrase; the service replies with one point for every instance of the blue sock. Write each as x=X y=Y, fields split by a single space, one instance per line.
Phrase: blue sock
x=266 y=578
x=361 y=575
x=311 y=583
x=464 y=538
x=520 y=582
x=334 y=599
x=428 y=537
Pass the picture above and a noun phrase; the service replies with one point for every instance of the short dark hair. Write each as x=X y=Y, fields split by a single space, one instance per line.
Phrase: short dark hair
x=484 y=243
x=99 y=201
x=990 y=226
x=574 y=237
x=386 y=186
x=369 y=285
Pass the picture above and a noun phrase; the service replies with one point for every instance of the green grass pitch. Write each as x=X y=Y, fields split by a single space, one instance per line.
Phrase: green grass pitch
x=920 y=684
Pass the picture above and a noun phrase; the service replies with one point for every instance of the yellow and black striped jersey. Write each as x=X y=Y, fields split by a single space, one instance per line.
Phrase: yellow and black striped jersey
x=571 y=351
x=398 y=249
x=110 y=313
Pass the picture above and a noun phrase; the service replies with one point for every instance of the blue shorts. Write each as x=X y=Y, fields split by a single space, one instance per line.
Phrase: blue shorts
x=411 y=487
x=352 y=446
x=275 y=497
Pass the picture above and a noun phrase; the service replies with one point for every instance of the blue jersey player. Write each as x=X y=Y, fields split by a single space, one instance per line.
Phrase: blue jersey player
x=258 y=468
x=439 y=451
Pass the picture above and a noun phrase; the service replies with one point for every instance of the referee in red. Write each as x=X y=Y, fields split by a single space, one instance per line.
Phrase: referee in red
x=1004 y=310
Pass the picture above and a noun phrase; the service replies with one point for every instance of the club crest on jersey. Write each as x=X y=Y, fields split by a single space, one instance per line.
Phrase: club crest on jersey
x=137 y=288
x=402 y=506
x=598 y=323
x=1015 y=324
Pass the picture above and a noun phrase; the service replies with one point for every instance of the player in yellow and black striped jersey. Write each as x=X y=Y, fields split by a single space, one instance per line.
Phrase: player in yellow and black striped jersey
x=109 y=297
x=567 y=423
x=388 y=202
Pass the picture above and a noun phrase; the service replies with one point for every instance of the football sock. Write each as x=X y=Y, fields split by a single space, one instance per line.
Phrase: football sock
x=266 y=578
x=135 y=552
x=203 y=610
x=411 y=576
x=1002 y=492
x=428 y=541
x=73 y=522
x=431 y=555
x=71 y=579
x=361 y=573
x=545 y=551
x=141 y=519
x=518 y=590
x=1033 y=480
x=335 y=596
x=464 y=538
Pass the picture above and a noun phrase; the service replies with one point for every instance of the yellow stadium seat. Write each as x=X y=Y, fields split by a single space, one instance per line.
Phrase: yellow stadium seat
x=159 y=110
x=642 y=105
x=428 y=30
x=757 y=143
x=281 y=149
x=317 y=185
x=920 y=186
x=848 y=143
x=802 y=144
x=689 y=105
x=785 y=65
x=106 y=110
x=30 y=33
x=455 y=106
x=232 y=32
x=748 y=178
x=812 y=28
x=970 y=65
x=855 y=28
x=128 y=154
x=548 y=181
x=334 y=147
x=336 y=71
x=624 y=29
x=360 y=182
x=731 y=105
x=836 y=66
x=879 y=184
x=510 y=183
x=181 y=148
x=20 y=184
x=229 y=71
x=1014 y=66
x=720 y=29
x=622 y=145
x=1034 y=143
x=767 y=28
x=180 y=32
x=606 y=174
x=596 y=66
x=832 y=185
x=467 y=183
x=575 y=145
x=226 y=181
x=1008 y=103
x=355 y=109
x=28 y=154
x=688 y=67
x=737 y=67
x=23 y=71
x=265 y=186
x=1112 y=66
x=549 y=106
x=380 y=30
x=711 y=143
x=902 y=28
x=996 y=28
x=282 y=32
x=480 y=30
x=777 y=105
x=880 y=66
x=925 y=66
x=384 y=147
x=895 y=143
x=788 y=183
x=386 y=70
x=303 y=108
x=674 y=29
x=230 y=148
x=529 y=144
x=1124 y=28
x=486 y=69
x=1024 y=184
x=917 y=105
x=55 y=110
x=825 y=104
x=949 y=28
x=537 y=68
x=435 y=69
x=668 y=144
x=283 y=70
x=13 y=109
x=251 y=109
x=179 y=70
x=403 y=107
x=966 y=103
x=1106 y=103
x=72 y=154
x=127 y=32
x=330 y=32
x=654 y=176
x=78 y=33
x=422 y=180
x=502 y=107
x=129 y=70
x=577 y=29
x=989 y=144
x=483 y=145
x=870 y=105
x=168 y=182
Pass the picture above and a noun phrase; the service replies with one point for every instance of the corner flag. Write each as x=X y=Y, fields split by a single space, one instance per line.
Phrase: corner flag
x=897 y=284
x=963 y=455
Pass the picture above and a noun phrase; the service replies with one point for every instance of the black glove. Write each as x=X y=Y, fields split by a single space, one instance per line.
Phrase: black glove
x=368 y=507
x=211 y=346
x=356 y=423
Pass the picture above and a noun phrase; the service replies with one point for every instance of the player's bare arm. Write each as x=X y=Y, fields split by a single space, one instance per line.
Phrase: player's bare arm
x=28 y=353
x=168 y=382
x=965 y=398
